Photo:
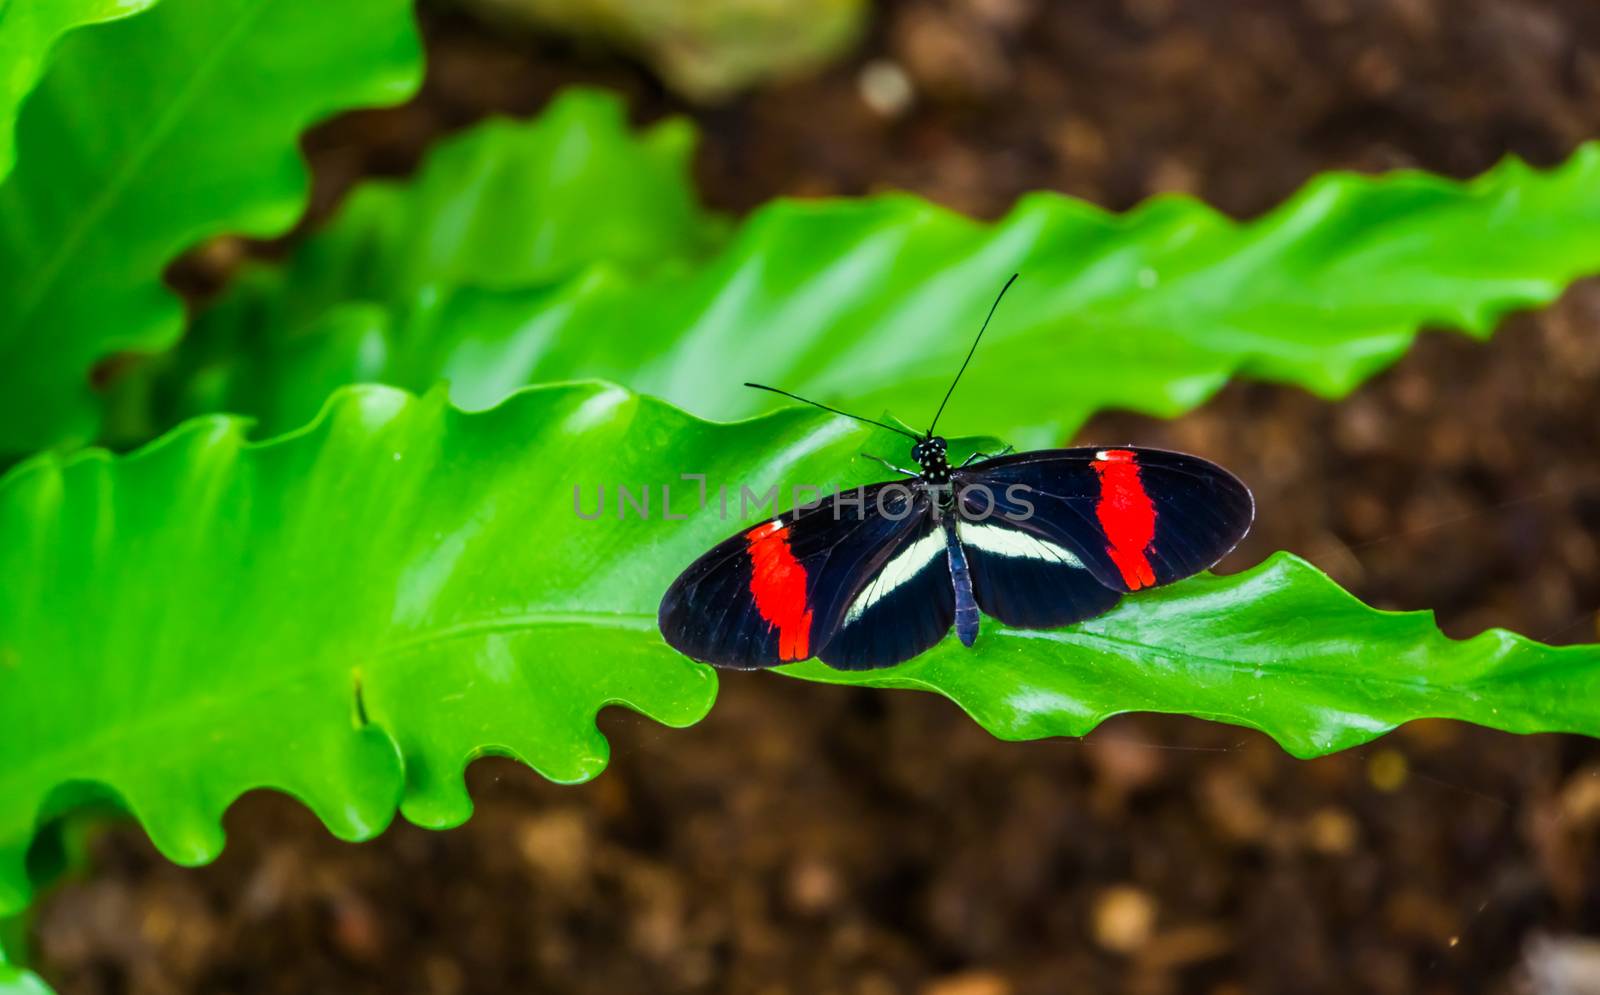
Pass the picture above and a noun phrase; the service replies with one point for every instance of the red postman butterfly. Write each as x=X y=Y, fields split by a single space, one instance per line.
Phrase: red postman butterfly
x=873 y=577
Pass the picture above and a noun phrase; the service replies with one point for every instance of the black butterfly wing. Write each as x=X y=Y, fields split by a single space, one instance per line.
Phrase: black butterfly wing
x=1024 y=579
x=1133 y=518
x=780 y=591
x=902 y=604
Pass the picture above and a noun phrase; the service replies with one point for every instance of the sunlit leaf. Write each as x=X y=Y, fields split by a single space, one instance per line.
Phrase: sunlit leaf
x=144 y=137
x=1279 y=648
x=872 y=303
x=349 y=614
x=505 y=205
x=18 y=981
x=352 y=612
x=28 y=35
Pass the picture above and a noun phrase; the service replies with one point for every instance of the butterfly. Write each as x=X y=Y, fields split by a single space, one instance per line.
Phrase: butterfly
x=871 y=578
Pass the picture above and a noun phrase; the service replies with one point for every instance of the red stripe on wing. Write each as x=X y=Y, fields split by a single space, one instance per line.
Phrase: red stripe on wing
x=1127 y=515
x=778 y=583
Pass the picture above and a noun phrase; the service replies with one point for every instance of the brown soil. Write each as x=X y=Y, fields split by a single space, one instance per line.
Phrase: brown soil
x=816 y=839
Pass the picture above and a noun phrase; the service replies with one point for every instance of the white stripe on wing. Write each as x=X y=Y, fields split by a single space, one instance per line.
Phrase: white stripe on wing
x=896 y=572
x=1001 y=541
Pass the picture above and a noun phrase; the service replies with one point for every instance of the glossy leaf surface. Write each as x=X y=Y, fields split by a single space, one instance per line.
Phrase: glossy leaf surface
x=28 y=36
x=197 y=137
x=1279 y=648
x=505 y=205
x=872 y=303
x=352 y=612
x=349 y=614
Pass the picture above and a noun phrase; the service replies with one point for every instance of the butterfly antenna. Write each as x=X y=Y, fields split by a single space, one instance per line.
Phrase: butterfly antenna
x=816 y=404
x=974 y=349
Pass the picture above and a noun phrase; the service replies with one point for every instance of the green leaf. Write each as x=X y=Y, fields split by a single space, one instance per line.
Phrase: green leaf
x=194 y=135
x=872 y=303
x=16 y=980
x=513 y=204
x=28 y=34
x=352 y=612
x=505 y=205
x=1279 y=648
x=348 y=614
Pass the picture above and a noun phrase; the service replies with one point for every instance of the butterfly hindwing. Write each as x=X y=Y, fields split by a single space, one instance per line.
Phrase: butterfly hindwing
x=1024 y=579
x=1134 y=518
x=902 y=603
x=777 y=592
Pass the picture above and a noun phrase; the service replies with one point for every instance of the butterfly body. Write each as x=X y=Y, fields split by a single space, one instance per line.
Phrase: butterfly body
x=870 y=578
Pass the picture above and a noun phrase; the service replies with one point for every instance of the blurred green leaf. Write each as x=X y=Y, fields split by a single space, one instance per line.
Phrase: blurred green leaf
x=352 y=612
x=872 y=303
x=28 y=34
x=505 y=205
x=143 y=138
x=19 y=981
x=513 y=204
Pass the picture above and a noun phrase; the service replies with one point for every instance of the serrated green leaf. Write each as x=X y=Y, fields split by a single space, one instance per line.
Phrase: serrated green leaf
x=349 y=614
x=194 y=135
x=28 y=35
x=505 y=205
x=353 y=611
x=1279 y=648
x=872 y=303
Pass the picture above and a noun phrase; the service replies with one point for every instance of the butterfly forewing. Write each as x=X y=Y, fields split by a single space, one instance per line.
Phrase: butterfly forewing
x=778 y=591
x=1025 y=579
x=1133 y=518
x=900 y=603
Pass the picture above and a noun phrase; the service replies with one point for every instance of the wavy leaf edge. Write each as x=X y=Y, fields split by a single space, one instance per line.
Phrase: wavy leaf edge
x=1279 y=563
x=262 y=199
x=68 y=794
x=1175 y=244
x=26 y=72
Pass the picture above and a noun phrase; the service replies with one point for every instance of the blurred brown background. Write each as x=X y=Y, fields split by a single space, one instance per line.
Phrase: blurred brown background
x=820 y=839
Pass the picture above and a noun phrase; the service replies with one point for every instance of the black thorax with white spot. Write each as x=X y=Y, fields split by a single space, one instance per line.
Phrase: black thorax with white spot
x=930 y=455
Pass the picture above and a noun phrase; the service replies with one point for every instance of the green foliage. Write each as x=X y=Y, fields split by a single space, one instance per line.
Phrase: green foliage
x=349 y=614
x=196 y=137
x=1279 y=648
x=17 y=981
x=352 y=612
x=871 y=303
x=28 y=34
x=506 y=206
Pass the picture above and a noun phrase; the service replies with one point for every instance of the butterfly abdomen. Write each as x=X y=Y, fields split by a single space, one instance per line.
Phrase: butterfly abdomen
x=961 y=576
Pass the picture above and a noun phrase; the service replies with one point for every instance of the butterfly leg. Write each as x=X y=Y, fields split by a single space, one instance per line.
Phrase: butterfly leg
x=978 y=456
x=896 y=469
